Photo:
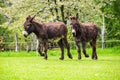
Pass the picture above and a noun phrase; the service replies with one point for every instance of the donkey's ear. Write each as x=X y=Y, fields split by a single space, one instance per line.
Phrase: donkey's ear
x=70 y=17
x=32 y=18
x=77 y=16
x=28 y=17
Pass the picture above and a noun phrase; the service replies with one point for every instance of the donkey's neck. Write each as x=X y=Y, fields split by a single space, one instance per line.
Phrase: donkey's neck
x=38 y=29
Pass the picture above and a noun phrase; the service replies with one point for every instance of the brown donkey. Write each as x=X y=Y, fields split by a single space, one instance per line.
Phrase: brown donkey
x=84 y=32
x=48 y=32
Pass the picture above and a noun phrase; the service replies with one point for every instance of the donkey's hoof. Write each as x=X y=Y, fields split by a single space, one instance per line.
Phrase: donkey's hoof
x=42 y=54
x=70 y=56
x=61 y=58
x=86 y=55
x=45 y=58
x=94 y=58
x=79 y=57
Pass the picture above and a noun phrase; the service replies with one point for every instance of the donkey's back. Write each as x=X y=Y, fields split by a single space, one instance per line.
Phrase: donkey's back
x=90 y=30
x=56 y=29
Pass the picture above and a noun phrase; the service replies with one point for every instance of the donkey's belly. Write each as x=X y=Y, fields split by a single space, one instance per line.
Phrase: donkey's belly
x=54 y=39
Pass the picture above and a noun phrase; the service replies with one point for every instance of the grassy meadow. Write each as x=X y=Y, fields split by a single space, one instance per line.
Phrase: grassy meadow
x=27 y=66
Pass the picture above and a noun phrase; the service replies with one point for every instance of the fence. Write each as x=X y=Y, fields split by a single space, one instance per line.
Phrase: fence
x=25 y=46
x=32 y=46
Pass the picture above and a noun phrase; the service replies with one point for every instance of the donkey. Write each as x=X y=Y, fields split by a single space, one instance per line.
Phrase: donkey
x=84 y=32
x=48 y=32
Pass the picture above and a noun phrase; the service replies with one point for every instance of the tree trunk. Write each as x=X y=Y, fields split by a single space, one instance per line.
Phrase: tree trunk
x=102 y=32
x=16 y=39
x=62 y=13
x=56 y=11
x=27 y=47
x=32 y=43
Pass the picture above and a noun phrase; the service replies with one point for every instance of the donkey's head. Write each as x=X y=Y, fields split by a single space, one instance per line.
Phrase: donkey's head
x=28 y=26
x=74 y=25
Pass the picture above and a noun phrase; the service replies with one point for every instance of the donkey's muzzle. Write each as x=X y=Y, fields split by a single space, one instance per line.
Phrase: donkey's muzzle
x=74 y=34
x=25 y=33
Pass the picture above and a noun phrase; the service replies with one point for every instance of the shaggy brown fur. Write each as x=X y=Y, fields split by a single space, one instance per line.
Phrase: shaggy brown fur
x=48 y=32
x=84 y=32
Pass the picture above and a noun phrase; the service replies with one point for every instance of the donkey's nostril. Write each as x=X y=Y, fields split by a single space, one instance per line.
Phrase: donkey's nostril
x=73 y=33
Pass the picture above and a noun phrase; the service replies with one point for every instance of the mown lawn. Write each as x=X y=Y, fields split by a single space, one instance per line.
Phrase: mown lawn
x=28 y=66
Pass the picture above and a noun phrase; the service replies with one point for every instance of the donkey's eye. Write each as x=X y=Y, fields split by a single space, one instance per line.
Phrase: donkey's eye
x=30 y=25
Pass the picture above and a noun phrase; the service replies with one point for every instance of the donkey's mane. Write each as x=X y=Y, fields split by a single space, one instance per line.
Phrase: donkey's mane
x=37 y=23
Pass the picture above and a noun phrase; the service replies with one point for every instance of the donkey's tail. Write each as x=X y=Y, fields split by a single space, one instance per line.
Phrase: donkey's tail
x=99 y=32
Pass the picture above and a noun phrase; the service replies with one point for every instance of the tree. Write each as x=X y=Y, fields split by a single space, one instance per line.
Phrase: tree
x=112 y=19
x=3 y=19
x=16 y=11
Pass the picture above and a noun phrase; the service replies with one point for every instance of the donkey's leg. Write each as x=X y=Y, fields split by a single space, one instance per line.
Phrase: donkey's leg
x=94 y=54
x=60 y=43
x=45 y=49
x=84 y=49
x=68 y=48
x=78 y=49
x=38 y=48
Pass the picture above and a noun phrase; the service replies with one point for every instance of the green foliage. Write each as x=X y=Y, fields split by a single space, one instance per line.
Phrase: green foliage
x=4 y=31
x=2 y=19
x=116 y=8
x=15 y=12
x=113 y=22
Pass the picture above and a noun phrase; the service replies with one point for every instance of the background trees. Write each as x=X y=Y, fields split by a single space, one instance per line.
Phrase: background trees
x=14 y=12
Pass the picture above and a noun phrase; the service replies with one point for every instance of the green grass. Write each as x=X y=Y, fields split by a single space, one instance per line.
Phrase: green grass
x=28 y=66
